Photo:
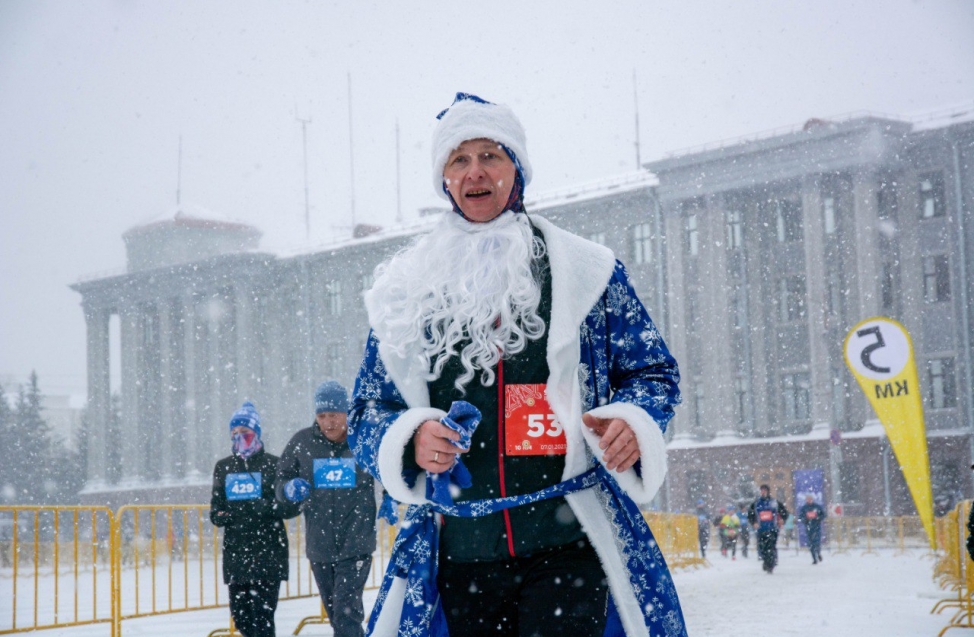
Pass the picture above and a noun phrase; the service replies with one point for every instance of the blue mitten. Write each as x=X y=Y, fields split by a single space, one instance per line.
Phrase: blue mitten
x=297 y=490
x=462 y=418
x=388 y=509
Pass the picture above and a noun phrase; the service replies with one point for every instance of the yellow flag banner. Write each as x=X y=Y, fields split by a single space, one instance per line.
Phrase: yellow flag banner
x=879 y=353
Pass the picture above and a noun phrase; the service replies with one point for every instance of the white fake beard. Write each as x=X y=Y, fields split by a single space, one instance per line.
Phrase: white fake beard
x=461 y=280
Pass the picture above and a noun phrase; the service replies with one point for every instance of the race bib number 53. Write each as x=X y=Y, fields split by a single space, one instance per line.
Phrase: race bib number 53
x=334 y=473
x=530 y=428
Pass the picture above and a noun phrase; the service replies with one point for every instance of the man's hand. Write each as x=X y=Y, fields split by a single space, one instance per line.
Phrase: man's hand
x=617 y=439
x=434 y=450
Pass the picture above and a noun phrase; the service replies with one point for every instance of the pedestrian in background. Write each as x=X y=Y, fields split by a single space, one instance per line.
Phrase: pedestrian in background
x=703 y=528
x=812 y=515
x=745 y=537
x=255 y=547
x=337 y=497
x=730 y=526
x=766 y=515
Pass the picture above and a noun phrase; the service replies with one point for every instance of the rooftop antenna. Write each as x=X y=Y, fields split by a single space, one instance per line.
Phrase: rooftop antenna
x=635 y=99
x=179 y=170
x=307 y=202
x=351 y=153
x=398 y=179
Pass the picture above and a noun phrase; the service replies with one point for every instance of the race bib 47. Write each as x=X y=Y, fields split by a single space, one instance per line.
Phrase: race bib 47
x=530 y=428
x=334 y=473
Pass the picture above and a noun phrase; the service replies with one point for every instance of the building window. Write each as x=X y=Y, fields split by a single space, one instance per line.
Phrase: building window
x=849 y=482
x=738 y=303
x=932 y=195
x=796 y=396
x=791 y=298
x=886 y=200
x=936 y=279
x=333 y=293
x=333 y=353
x=828 y=214
x=735 y=229
x=943 y=384
x=888 y=285
x=642 y=243
x=698 y=402
x=740 y=391
x=368 y=280
x=696 y=486
x=599 y=237
x=692 y=237
x=789 y=221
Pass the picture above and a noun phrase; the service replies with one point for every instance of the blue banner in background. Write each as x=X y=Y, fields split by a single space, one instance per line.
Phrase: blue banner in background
x=808 y=481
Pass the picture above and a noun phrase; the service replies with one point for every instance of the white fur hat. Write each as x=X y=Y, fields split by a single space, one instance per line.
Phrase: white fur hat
x=470 y=117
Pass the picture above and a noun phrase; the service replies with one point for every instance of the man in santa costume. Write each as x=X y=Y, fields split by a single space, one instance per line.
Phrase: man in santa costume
x=514 y=391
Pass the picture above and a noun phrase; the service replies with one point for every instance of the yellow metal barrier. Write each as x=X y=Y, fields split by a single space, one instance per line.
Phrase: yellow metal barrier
x=954 y=569
x=867 y=534
x=153 y=560
x=57 y=561
x=676 y=536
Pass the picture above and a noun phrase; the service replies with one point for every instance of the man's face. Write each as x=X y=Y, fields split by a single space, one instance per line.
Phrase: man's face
x=479 y=175
x=765 y=493
x=333 y=424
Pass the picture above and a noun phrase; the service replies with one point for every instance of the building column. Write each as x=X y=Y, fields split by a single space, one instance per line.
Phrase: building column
x=129 y=434
x=717 y=370
x=166 y=387
x=676 y=327
x=191 y=407
x=867 y=258
x=820 y=367
x=99 y=396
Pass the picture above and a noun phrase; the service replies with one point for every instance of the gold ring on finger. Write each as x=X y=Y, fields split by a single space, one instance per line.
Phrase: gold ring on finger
x=436 y=456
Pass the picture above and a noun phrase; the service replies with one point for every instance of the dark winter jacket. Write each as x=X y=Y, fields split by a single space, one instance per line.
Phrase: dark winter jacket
x=339 y=520
x=812 y=515
x=524 y=530
x=767 y=513
x=255 y=544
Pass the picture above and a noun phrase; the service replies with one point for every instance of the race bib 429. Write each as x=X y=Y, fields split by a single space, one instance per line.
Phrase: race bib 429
x=530 y=428
x=243 y=486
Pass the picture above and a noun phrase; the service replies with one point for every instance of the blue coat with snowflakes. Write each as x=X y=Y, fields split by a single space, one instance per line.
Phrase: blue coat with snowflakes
x=605 y=357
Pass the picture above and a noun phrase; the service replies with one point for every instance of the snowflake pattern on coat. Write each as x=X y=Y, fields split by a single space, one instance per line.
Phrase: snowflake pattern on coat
x=622 y=359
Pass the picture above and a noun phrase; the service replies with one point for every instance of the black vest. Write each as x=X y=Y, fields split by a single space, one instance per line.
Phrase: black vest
x=534 y=527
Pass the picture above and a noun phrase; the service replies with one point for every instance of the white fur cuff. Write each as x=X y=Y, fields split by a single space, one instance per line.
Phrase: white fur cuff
x=390 y=454
x=652 y=450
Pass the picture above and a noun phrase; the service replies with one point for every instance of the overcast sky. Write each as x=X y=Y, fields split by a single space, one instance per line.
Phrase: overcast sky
x=94 y=97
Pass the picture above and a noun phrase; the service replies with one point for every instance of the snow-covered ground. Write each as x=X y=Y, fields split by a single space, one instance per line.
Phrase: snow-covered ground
x=848 y=595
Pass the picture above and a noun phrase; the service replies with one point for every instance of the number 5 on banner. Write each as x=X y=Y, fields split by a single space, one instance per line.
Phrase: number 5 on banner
x=879 y=354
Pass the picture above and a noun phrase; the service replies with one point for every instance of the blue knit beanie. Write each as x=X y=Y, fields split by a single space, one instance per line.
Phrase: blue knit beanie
x=331 y=396
x=246 y=416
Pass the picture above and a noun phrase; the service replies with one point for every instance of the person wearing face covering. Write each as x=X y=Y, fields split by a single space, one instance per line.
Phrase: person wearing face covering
x=337 y=496
x=514 y=392
x=255 y=546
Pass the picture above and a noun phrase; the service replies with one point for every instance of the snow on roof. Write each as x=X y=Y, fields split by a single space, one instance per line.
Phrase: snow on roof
x=537 y=203
x=919 y=121
x=819 y=433
x=190 y=214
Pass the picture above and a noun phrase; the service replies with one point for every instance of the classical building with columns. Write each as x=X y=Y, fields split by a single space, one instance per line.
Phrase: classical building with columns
x=776 y=247
x=754 y=257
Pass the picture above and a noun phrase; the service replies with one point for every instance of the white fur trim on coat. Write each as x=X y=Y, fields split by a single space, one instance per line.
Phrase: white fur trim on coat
x=652 y=450
x=391 y=452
